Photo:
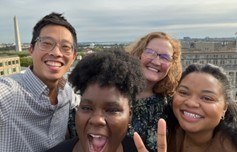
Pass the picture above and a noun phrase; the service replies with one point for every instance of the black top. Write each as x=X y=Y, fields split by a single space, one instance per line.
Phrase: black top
x=68 y=145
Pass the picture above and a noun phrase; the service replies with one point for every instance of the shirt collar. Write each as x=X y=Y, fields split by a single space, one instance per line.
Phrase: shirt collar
x=36 y=85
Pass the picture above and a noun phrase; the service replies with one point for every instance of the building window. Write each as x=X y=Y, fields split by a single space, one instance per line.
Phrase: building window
x=1 y=73
x=14 y=70
x=1 y=64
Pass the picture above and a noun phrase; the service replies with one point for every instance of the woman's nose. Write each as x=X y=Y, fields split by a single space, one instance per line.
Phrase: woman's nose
x=192 y=101
x=156 y=60
x=97 y=119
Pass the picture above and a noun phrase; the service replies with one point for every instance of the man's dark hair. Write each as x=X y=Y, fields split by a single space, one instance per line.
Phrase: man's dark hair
x=53 y=19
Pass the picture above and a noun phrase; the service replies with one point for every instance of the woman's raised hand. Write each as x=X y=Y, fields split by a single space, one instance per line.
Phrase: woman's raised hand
x=161 y=138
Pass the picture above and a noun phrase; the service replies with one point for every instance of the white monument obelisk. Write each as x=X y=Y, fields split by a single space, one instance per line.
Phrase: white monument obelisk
x=235 y=41
x=17 y=35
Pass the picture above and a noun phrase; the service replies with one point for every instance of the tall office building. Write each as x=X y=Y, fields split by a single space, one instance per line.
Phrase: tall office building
x=17 y=35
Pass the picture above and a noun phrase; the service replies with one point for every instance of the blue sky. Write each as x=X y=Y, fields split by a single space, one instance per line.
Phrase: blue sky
x=123 y=20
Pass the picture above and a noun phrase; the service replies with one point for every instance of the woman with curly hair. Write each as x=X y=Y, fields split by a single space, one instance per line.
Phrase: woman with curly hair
x=159 y=55
x=108 y=83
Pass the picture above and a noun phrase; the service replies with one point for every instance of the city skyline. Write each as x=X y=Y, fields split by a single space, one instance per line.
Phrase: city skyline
x=112 y=20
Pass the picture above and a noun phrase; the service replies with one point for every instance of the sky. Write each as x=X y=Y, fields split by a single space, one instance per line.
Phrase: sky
x=123 y=20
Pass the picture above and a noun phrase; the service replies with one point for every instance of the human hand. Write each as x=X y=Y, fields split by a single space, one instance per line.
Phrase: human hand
x=161 y=138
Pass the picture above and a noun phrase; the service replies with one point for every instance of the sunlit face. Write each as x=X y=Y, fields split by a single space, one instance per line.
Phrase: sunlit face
x=154 y=69
x=199 y=102
x=51 y=66
x=102 y=119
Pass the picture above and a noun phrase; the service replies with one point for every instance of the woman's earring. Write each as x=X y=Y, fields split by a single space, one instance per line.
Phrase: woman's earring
x=223 y=117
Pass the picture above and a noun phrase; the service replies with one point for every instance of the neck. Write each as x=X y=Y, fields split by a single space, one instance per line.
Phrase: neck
x=53 y=96
x=120 y=148
x=52 y=86
x=147 y=92
x=197 y=142
x=53 y=92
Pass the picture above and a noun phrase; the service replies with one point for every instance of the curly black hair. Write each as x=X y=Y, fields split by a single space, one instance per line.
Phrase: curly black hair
x=109 y=68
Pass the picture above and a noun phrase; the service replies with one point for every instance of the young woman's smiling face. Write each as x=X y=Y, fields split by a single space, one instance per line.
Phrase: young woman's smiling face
x=199 y=102
x=102 y=119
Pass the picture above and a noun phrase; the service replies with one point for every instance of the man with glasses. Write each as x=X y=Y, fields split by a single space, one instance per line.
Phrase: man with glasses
x=34 y=106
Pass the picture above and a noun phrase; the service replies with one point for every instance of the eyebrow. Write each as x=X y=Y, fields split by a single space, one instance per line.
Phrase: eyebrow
x=108 y=102
x=49 y=37
x=158 y=51
x=203 y=91
x=208 y=91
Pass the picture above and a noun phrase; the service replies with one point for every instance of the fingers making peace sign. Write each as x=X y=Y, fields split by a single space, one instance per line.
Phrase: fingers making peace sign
x=161 y=138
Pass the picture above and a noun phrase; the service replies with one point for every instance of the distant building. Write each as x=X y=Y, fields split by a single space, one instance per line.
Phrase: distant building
x=87 y=51
x=9 y=65
x=221 y=53
x=92 y=45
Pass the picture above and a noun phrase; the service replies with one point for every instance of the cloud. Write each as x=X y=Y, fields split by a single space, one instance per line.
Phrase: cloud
x=124 y=20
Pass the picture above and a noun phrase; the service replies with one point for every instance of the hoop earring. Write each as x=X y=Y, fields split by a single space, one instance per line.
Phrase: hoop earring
x=223 y=117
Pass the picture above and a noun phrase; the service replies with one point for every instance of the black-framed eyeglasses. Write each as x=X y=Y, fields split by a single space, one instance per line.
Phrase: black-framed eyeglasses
x=47 y=44
x=152 y=54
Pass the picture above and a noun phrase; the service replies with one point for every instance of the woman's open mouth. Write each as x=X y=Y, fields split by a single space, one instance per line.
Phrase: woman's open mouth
x=97 y=143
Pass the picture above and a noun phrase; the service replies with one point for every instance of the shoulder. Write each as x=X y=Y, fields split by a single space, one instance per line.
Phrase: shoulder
x=74 y=98
x=7 y=81
x=66 y=89
x=8 y=94
x=66 y=145
x=8 y=87
x=223 y=143
x=128 y=144
x=12 y=82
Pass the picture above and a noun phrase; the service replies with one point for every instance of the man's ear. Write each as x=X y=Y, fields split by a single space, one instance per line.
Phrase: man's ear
x=74 y=55
x=31 y=48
